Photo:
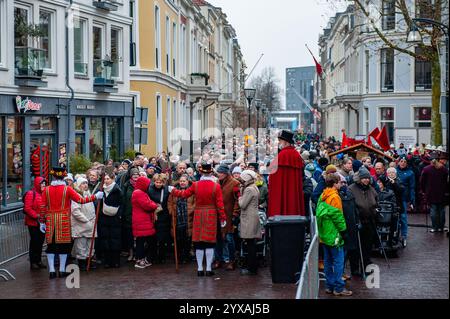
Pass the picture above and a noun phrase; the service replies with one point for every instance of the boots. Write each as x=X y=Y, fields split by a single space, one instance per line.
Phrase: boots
x=82 y=264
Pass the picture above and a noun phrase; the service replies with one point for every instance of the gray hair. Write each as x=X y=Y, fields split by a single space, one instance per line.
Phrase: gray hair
x=391 y=170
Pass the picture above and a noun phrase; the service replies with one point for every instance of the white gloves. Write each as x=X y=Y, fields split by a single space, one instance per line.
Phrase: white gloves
x=171 y=189
x=99 y=195
x=223 y=224
x=42 y=227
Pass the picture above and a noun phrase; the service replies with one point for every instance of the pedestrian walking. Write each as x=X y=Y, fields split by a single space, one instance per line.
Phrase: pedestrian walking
x=31 y=208
x=407 y=177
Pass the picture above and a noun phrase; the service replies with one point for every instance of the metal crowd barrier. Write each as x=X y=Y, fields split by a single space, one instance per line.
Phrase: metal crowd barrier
x=308 y=287
x=14 y=238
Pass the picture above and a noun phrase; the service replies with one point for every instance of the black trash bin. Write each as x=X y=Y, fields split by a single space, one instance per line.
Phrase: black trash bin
x=287 y=241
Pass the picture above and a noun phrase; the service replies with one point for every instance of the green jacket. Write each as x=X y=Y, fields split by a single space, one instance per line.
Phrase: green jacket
x=330 y=223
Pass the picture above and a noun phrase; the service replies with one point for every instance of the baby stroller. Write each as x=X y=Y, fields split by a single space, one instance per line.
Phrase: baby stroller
x=261 y=244
x=387 y=227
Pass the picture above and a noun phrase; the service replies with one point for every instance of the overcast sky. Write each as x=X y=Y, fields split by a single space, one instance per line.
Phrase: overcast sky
x=279 y=29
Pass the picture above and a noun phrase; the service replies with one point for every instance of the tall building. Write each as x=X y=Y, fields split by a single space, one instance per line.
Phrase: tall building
x=55 y=102
x=300 y=93
x=367 y=84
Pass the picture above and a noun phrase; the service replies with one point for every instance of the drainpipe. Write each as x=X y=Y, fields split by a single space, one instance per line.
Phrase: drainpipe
x=69 y=104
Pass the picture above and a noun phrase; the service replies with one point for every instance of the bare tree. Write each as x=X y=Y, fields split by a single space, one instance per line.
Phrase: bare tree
x=268 y=89
x=433 y=38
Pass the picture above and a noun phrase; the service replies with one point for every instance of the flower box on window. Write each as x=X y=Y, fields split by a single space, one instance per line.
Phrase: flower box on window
x=29 y=66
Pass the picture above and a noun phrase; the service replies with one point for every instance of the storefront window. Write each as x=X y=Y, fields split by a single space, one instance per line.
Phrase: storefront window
x=114 y=138
x=14 y=158
x=79 y=144
x=79 y=123
x=38 y=123
x=96 y=140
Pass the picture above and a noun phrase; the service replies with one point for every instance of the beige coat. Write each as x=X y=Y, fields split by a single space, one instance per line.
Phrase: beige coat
x=248 y=202
x=83 y=219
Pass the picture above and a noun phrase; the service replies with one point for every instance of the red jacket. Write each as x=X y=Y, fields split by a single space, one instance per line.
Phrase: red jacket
x=32 y=206
x=143 y=208
x=209 y=208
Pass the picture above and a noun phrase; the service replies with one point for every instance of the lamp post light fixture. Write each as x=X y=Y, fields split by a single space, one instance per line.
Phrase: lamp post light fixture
x=414 y=36
x=250 y=96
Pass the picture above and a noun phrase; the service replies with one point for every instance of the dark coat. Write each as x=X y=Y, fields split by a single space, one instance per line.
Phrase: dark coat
x=163 y=223
x=307 y=192
x=408 y=179
x=434 y=183
x=398 y=189
x=127 y=207
x=366 y=200
x=351 y=216
x=109 y=227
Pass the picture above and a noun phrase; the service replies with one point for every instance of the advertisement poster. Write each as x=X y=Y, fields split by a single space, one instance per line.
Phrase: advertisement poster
x=17 y=158
x=62 y=155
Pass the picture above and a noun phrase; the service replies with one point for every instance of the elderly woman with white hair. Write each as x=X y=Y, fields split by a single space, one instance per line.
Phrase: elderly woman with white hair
x=82 y=222
x=393 y=183
x=250 y=226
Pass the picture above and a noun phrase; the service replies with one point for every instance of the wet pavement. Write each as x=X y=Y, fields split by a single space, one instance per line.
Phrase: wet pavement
x=420 y=271
x=157 y=281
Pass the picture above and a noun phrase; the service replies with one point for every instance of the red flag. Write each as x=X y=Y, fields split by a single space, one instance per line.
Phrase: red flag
x=383 y=139
x=319 y=68
x=375 y=132
x=344 y=141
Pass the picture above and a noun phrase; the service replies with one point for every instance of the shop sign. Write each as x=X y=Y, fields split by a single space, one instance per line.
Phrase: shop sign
x=26 y=105
x=85 y=107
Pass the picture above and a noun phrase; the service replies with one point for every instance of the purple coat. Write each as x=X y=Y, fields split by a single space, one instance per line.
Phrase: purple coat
x=434 y=183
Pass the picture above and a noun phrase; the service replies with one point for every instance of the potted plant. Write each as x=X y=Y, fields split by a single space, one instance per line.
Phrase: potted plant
x=27 y=58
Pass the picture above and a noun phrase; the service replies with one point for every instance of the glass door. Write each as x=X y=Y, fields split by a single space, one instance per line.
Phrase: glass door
x=41 y=155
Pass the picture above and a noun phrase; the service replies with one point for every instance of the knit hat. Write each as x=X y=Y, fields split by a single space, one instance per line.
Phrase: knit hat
x=363 y=173
x=237 y=170
x=248 y=175
x=223 y=169
x=331 y=169
x=69 y=177
x=80 y=180
x=310 y=167
x=134 y=171
x=150 y=166
x=357 y=165
x=305 y=155
x=323 y=161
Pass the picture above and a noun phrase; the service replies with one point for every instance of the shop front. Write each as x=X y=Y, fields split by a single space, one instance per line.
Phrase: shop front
x=35 y=135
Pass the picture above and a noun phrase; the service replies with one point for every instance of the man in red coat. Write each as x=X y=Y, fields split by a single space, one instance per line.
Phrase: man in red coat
x=286 y=179
x=209 y=208
x=56 y=210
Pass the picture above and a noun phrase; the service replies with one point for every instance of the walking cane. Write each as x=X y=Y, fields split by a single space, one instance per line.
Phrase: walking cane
x=362 y=259
x=95 y=224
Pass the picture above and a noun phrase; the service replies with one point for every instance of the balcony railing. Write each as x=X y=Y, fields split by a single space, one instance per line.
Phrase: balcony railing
x=199 y=79
x=29 y=66
x=343 y=89
x=103 y=81
x=110 y=5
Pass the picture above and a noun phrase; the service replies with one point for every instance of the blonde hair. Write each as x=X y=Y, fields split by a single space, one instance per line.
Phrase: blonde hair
x=160 y=177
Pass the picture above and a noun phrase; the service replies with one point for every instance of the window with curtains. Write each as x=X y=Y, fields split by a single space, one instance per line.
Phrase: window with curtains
x=387 y=70
x=422 y=116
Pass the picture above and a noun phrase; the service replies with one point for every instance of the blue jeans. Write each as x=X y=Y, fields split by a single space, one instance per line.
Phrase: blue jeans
x=333 y=259
x=404 y=221
x=437 y=216
x=225 y=249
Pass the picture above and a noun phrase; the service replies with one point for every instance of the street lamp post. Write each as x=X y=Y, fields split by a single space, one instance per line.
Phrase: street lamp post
x=249 y=95
x=258 y=105
x=414 y=36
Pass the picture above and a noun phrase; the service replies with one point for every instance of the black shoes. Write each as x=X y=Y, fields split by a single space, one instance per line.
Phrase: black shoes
x=200 y=273
x=52 y=275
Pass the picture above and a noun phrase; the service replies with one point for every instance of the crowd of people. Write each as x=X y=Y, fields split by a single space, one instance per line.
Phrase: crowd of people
x=145 y=210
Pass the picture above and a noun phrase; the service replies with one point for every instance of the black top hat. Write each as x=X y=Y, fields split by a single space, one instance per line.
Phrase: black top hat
x=58 y=172
x=287 y=136
x=206 y=168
